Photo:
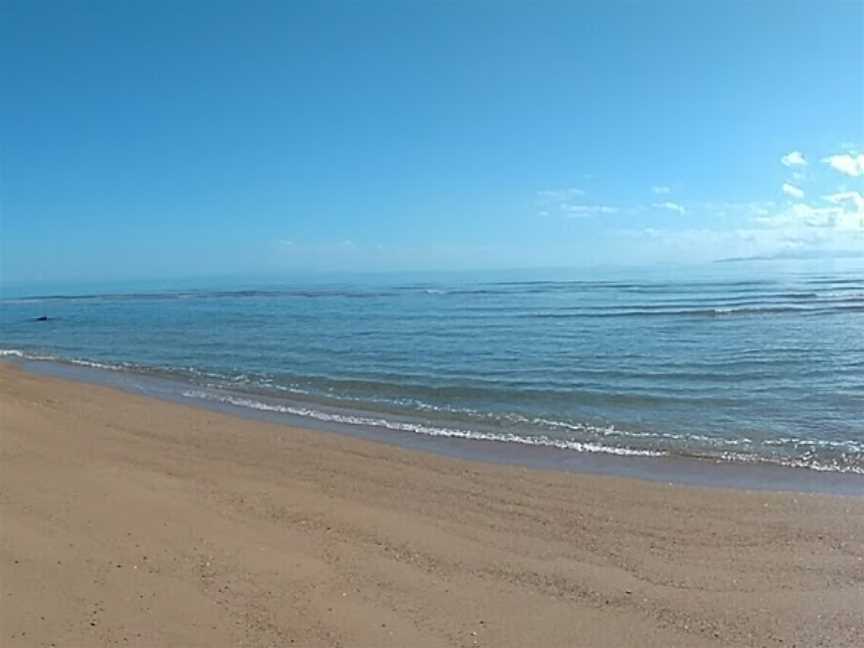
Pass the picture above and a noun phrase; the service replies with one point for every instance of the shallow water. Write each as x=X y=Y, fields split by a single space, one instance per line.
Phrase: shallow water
x=737 y=364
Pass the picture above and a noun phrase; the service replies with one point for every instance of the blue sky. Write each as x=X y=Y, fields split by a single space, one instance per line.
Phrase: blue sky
x=190 y=139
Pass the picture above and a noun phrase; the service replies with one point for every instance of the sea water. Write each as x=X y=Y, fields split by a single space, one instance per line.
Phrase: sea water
x=756 y=364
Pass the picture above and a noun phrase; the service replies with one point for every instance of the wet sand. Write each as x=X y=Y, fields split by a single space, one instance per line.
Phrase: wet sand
x=129 y=521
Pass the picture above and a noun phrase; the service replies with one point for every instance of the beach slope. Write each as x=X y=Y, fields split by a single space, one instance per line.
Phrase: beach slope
x=126 y=521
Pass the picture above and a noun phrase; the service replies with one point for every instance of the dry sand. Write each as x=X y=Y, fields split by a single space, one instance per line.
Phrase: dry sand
x=132 y=522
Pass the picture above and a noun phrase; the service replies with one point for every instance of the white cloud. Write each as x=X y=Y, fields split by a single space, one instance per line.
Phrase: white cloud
x=852 y=199
x=847 y=163
x=671 y=206
x=559 y=195
x=792 y=191
x=826 y=234
x=736 y=209
x=661 y=190
x=830 y=225
x=794 y=158
x=577 y=211
x=836 y=218
x=816 y=216
x=566 y=202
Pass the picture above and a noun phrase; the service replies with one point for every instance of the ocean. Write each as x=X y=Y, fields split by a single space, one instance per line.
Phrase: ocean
x=749 y=364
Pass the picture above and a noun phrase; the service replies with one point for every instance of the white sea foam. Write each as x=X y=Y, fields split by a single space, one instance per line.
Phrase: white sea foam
x=15 y=353
x=808 y=464
x=52 y=358
x=96 y=365
x=846 y=445
x=418 y=428
x=533 y=440
x=843 y=455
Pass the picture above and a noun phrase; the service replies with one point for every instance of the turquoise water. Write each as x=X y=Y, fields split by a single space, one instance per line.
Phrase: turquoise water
x=735 y=364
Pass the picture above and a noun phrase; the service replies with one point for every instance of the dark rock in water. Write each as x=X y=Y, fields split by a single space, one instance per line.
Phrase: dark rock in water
x=41 y=318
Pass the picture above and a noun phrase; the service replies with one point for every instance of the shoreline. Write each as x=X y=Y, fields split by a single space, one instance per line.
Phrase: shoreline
x=134 y=521
x=670 y=469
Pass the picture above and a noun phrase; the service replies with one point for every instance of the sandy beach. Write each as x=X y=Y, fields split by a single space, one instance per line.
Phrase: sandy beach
x=126 y=521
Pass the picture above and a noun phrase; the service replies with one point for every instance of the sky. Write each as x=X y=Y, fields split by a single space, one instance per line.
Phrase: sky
x=215 y=138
